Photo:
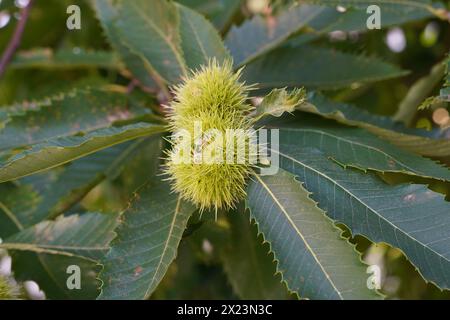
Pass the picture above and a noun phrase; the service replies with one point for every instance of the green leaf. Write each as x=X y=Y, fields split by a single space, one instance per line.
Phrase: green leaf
x=406 y=7
x=314 y=260
x=45 y=58
x=78 y=178
x=383 y=127
x=70 y=126
x=406 y=216
x=219 y=12
x=249 y=265
x=316 y=67
x=145 y=163
x=397 y=4
x=279 y=101
x=58 y=151
x=146 y=243
x=353 y=19
x=259 y=35
x=107 y=14
x=17 y=109
x=43 y=252
x=17 y=204
x=150 y=29
x=222 y=18
x=199 y=40
x=70 y=114
x=355 y=147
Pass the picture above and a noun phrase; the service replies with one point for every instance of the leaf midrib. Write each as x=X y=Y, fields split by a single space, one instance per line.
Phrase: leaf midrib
x=300 y=234
x=358 y=144
x=166 y=245
x=180 y=59
x=200 y=44
x=152 y=129
x=11 y=216
x=270 y=45
x=44 y=249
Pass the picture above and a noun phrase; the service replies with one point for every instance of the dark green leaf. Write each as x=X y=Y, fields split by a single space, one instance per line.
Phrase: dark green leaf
x=355 y=147
x=151 y=30
x=199 y=40
x=17 y=203
x=70 y=114
x=59 y=151
x=260 y=35
x=219 y=12
x=248 y=264
x=312 y=257
x=45 y=58
x=381 y=126
x=316 y=67
x=107 y=13
x=78 y=178
x=146 y=243
x=407 y=216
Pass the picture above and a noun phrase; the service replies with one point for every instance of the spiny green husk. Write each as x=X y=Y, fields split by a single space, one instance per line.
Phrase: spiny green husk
x=8 y=289
x=215 y=97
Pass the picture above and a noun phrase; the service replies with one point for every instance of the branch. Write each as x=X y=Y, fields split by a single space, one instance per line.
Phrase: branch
x=15 y=40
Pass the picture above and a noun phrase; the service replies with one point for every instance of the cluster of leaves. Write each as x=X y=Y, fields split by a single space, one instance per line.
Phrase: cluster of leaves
x=59 y=157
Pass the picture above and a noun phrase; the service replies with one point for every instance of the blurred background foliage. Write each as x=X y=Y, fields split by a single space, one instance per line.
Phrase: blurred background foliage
x=198 y=271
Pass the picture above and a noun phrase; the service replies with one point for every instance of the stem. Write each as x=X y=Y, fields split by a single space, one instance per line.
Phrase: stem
x=15 y=40
x=133 y=83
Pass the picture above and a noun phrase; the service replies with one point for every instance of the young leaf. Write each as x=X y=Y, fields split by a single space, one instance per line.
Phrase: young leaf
x=407 y=216
x=279 y=101
x=146 y=243
x=51 y=247
x=316 y=67
x=312 y=257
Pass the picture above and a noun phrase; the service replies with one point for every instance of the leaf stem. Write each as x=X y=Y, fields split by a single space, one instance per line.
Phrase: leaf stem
x=15 y=40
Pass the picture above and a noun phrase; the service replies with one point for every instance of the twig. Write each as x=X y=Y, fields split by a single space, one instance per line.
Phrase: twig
x=15 y=40
x=133 y=83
